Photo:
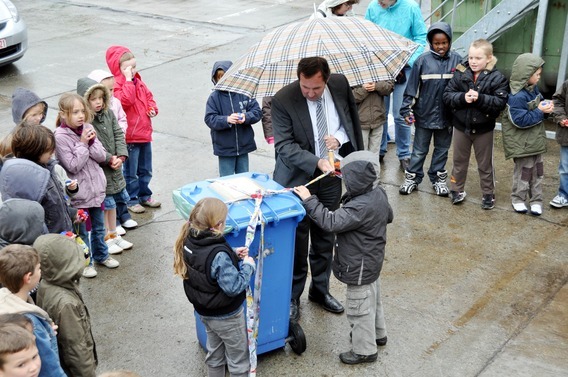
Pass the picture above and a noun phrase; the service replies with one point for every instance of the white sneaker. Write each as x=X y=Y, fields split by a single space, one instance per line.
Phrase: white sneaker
x=129 y=224
x=110 y=263
x=113 y=247
x=536 y=209
x=122 y=243
x=89 y=272
x=520 y=207
x=120 y=230
x=559 y=201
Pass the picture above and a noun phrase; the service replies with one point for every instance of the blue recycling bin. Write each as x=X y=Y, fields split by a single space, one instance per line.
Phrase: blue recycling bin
x=282 y=212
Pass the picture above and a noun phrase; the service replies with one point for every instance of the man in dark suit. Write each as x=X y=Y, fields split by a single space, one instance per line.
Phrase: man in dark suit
x=302 y=154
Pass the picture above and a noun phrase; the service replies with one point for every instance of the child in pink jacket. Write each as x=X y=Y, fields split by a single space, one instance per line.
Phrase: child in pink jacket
x=80 y=153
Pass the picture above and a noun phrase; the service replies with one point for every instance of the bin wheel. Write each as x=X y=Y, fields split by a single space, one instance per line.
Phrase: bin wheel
x=296 y=338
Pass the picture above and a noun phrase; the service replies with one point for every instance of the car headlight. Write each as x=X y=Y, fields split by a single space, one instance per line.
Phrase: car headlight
x=13 y=10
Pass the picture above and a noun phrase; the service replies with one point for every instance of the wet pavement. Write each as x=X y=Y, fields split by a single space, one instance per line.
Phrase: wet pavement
x=467 y=292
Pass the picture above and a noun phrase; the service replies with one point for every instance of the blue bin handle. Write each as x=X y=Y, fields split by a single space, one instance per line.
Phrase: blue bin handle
x=230 y=222
x=264 y=176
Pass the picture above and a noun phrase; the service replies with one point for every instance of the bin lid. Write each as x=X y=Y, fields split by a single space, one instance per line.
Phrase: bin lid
x=233 y=190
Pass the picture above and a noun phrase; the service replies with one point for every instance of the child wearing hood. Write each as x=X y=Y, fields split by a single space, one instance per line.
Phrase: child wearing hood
x=423 y=106
x=140 y=107
x=524 y=136
x=230 y=117
x=361 y=228
x=109 y=133
x=123 y=218
x=27 y=108
x=62 y=262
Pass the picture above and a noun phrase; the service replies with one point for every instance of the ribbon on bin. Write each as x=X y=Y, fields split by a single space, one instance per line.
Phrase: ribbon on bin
x=253 y=300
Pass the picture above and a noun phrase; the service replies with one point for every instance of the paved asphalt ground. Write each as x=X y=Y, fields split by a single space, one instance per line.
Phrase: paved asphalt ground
x=467 y=292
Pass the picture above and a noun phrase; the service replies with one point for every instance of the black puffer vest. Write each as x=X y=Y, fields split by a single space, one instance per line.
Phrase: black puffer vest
x=202 y=291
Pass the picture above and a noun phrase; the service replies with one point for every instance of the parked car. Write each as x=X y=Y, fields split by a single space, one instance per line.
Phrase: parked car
x=13 y=33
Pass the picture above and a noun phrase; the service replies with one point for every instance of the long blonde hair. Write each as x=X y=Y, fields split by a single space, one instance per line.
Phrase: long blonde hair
x=66 y=103
x=209 y=214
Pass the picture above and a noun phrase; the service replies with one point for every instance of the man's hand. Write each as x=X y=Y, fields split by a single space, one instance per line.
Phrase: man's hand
x=325 y=166
x=331 y=143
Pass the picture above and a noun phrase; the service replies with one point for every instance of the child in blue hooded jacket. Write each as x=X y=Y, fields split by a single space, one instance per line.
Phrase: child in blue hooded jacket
x=230 y=117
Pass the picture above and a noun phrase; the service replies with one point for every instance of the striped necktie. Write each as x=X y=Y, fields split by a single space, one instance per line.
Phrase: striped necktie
x=322 y=127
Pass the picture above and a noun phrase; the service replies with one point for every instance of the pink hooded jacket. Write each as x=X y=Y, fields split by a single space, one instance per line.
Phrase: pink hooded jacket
x=135 y=97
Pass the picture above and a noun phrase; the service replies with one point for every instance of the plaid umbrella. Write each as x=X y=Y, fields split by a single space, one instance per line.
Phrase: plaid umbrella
x=361 y=50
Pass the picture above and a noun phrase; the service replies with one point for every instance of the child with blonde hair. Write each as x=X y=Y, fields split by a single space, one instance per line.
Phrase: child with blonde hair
x=80 y=153
x=215 y=283
x=476 y=95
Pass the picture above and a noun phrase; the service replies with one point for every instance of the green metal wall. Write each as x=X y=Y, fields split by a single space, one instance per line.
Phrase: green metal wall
x=519 y=39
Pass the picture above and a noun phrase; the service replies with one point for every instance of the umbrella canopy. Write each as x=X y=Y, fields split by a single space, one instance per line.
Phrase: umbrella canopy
x=361 y=50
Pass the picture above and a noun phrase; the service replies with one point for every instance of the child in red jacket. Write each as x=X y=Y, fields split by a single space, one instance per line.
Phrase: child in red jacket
x=140 y=107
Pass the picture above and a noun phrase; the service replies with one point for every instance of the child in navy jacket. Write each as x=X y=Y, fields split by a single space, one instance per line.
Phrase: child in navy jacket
x=230 y=117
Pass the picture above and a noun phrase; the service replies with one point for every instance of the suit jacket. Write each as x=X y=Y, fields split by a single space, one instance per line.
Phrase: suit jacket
x=294 y=141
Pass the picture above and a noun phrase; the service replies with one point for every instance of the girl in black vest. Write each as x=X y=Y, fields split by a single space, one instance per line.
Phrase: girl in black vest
x=215 y=283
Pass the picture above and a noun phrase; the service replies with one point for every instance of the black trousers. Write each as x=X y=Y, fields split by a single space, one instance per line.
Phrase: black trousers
x=320 y=251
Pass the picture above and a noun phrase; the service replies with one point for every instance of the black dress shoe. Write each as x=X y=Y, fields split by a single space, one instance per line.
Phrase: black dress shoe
x=328 y=302
x=294 y=310
x=353 y=358
x=382 y=342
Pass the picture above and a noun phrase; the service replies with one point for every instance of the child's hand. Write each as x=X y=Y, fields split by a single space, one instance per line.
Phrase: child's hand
x=564 y=123
x=54 y=327
x=127 y=72
x=242 y=252
x=302 y=192
x=71 y=184
x=115 y=163
x=88 y=134
x=546 y=106
x=233 y=118
x=409 y=119
x=242 y=117
x=471 y=96
x=369 y=87
x=151 y=112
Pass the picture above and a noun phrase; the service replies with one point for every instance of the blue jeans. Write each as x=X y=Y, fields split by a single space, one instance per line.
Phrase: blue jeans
x=233 y=165
x=120 y=202
x=563 y=172
x=138 y=172
x=96 y=244
x=420 y=148
x=402 y=132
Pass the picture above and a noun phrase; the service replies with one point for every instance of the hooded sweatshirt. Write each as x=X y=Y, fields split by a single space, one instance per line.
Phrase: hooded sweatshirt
x=21 y=221
x=62 y=263
x=360 y=223
x=428 y=78
x=524 y=133
x=109 y=134
x=135 y=97
x=24 y=179
x=23 y=100
x=230 y=140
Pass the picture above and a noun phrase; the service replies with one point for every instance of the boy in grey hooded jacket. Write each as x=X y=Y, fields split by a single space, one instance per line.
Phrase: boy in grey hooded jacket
x=360 y=225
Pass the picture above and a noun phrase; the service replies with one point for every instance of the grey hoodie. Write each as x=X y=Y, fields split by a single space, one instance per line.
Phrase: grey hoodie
x=21 y=221
x=360 y=223
x=22 y=100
